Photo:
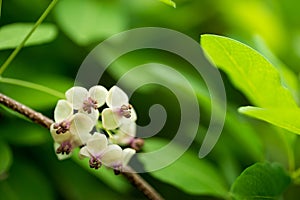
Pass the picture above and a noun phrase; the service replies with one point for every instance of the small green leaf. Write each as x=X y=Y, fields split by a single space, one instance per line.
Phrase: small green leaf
x=5 y=157
x=86 y=22
x=189 y=173
x=169 y=2
x=287 y=118
x=260 y=181
x=12 y=35
x=249 y=71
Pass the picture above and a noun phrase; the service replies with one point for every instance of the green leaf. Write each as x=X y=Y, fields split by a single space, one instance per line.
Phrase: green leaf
x=249 y=71
x=30 y=133
x=26 y=181
x=288 y=77
x=287 y=118
x=73 y=181
x=86 y=22
x=261 y=181
x=169 y=2
x=34 y=98
x=12 y=35
x=5 y=157
x=188 y=173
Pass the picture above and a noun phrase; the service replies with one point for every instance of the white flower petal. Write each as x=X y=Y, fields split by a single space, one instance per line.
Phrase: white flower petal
x=59 y=138
x=110 y=120
x=133 y=115
x=116 y=97
x=127 y=155
x=128 y=128
x=112 y=156
x=121 y=139
x=99 y=94
x=77 y=95
x=97 y=144
x=84 y=152
x=63 y=110
x=94 y=115
x=80 y=127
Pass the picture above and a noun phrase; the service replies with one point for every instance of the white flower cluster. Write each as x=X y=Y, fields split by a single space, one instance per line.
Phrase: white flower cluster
x=77 y=124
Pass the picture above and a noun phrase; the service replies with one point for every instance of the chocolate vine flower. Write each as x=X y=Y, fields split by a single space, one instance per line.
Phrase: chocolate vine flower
x=94 y=149
x=119 y=111
x=69 y=130
x=100 y=153
x=86 y=101
x=117 y=158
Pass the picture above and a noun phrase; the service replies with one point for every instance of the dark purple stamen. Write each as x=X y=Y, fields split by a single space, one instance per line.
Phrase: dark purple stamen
x=95 y=163
x=64 y=148
x=126 y=110
x=62 y=127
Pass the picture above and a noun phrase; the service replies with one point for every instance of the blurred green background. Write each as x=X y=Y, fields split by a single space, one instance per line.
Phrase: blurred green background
x=30 y=167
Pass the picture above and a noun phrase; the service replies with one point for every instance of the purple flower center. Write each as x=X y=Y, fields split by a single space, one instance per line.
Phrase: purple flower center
x=89 y=104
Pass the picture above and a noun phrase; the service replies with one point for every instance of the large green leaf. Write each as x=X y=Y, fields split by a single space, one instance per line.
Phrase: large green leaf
x=188 y=173
x=285 y=118
x=288 y=77
x=249 y=71
x=12 y=35
x=5 y=157
x=260 y=181
x=86 y=22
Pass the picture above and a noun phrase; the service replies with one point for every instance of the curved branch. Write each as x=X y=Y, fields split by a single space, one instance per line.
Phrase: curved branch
x=135 y=179
x=36 y=117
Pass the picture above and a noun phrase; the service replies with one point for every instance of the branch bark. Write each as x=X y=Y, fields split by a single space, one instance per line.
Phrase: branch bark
x=135 y=179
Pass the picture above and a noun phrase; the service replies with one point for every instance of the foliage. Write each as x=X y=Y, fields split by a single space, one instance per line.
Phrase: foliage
x=257 y=155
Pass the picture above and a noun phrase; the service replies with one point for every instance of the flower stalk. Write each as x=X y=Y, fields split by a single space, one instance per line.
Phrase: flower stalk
x=135 y=179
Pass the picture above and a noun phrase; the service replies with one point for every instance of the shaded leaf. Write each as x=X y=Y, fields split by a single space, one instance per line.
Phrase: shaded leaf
x=12 y=35
x=188 y=173
x=106 y=175
x=89 y=21
x=5 y=157
x=26 y=181
x=261 y=181
x=30 y=133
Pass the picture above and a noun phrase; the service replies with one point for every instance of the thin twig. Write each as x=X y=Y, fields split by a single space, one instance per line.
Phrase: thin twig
x=26 y=111
x=135 y=179
x=20 y=46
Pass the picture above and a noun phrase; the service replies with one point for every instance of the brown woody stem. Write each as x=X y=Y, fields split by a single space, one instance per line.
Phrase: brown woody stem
x=141 y=184
x=135 y=179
